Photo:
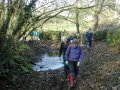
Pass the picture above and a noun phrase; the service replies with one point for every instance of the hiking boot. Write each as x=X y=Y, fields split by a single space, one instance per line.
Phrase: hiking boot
x=71 y=84
x=74 y=81
x=71 y=80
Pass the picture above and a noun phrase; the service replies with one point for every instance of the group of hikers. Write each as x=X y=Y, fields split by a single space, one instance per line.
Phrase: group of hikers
x=72 y=55
x=35 y=35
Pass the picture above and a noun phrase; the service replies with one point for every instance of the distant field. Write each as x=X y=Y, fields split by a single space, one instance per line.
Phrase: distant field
x=61 y=27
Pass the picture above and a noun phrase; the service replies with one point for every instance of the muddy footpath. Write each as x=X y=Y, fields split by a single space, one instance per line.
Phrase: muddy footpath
x=99 y=70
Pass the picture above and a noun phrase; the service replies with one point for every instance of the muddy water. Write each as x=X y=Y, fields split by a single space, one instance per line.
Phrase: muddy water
x=50 y=61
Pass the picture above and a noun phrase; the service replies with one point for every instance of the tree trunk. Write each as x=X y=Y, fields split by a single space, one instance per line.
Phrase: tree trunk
x=77 y=21
x=96 y=16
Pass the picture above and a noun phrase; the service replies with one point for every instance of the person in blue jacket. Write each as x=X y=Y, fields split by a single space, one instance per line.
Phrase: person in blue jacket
x=89 y=36
x=73 y=56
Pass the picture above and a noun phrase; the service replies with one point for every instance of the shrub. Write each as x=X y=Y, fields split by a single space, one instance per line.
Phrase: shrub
x=113 y=39
x=51 y=35
x=100 y=35
x=12 y=63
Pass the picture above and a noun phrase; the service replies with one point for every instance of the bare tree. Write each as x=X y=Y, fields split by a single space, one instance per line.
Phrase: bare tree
x=96 y=15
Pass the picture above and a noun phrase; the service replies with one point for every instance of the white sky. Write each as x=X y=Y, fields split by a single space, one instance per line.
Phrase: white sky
x=118 y=2
x=61 y=3
x=52 y=4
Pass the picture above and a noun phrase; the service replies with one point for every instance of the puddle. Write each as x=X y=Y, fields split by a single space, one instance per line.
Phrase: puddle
x=49 y=62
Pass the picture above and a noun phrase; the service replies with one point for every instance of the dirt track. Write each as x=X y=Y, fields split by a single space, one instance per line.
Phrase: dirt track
x=100 y=71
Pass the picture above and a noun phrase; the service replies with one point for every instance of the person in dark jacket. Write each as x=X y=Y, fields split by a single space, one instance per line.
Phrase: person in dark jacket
x=69 y=39
x=89 y=36
x=63 y=48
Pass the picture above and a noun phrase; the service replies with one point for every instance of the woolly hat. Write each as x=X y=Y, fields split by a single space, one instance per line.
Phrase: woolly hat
x=75 y=41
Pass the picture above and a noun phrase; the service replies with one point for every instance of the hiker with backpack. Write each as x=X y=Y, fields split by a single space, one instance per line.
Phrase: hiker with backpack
x=89 y=36
x=73 y=56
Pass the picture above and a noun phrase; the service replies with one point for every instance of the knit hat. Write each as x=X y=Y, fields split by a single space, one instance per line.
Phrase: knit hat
x=75 y=41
